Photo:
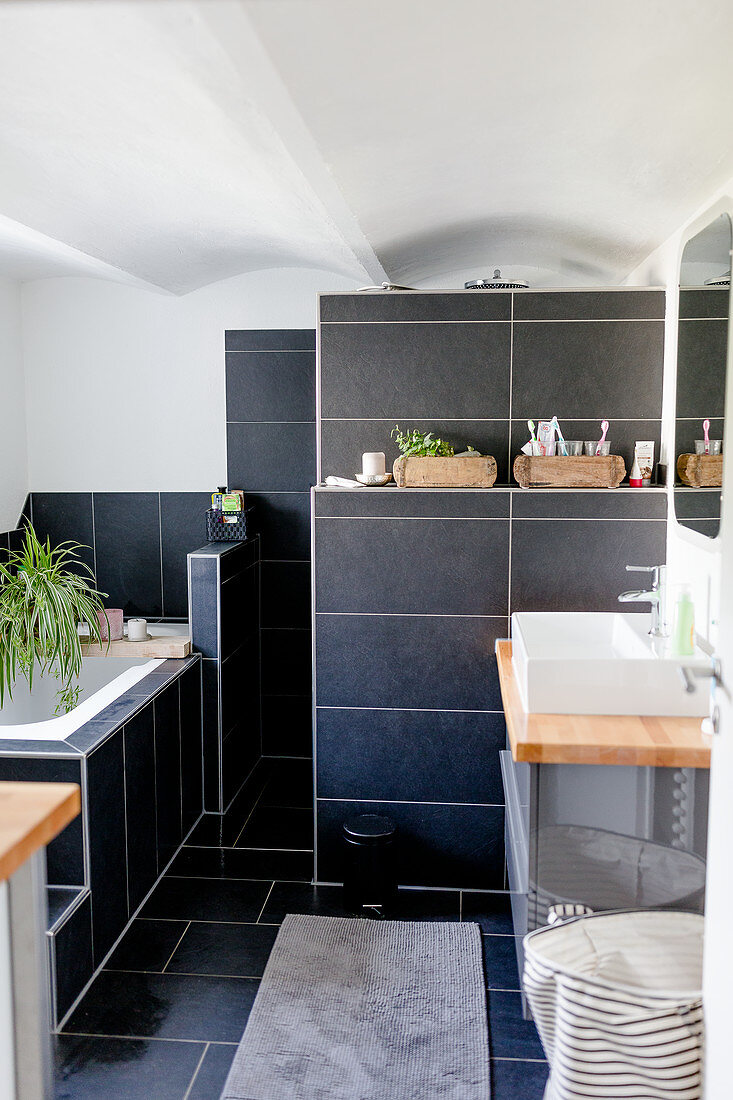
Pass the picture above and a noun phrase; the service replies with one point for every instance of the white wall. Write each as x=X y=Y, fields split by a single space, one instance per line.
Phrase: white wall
x=125 y=387
x=13 y=446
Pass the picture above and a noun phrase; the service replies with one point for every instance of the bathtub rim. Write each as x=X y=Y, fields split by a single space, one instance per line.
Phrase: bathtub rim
x=83 y=741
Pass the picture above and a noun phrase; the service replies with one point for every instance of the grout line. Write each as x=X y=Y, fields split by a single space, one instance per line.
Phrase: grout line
x=146 y=1038
x=264 y=904
x=196 y=1072
x=197 y=973
x=520 y=321
x=178 y=944
x=193 y=920
x=418 y=710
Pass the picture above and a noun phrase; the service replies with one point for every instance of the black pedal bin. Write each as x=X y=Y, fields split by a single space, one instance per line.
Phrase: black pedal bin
x=369 y=864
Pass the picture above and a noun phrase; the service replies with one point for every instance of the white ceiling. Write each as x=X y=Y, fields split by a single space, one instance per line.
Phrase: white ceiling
x=179 y=142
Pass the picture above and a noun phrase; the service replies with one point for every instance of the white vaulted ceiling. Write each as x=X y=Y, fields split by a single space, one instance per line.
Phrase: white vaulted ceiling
x=179 y=142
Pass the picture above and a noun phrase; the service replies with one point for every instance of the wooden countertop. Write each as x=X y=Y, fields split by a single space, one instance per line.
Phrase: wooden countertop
x=597 y=738
x=31 y=815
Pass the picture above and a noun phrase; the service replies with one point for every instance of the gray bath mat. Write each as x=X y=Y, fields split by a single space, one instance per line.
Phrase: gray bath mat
x=367 y=1010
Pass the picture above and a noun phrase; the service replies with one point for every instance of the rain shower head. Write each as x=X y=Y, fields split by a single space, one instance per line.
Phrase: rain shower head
x=496 y=283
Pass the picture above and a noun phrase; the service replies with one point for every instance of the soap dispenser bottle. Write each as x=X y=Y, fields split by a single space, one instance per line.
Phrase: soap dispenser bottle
x=683 y=627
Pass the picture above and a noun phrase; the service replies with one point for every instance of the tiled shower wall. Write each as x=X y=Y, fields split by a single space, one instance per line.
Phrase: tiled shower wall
x=271 y=453
x=413 y=587
x=474 y=366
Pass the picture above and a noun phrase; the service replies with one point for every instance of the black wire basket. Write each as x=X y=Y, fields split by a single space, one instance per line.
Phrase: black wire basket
x=219 y=529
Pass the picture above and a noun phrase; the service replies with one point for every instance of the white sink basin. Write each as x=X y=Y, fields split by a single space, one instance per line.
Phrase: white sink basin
x=588 y=663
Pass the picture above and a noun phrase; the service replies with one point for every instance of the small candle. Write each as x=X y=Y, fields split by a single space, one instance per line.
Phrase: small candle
x=373 y=463
x=137 y=630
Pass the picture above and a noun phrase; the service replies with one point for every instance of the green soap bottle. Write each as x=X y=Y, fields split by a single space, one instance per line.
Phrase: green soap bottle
x=683 y=627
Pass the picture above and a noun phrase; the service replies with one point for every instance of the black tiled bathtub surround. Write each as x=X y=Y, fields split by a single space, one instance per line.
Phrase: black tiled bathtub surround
x=412 y=590
x=139 y=768
x=473 y=367
x=271 y=450
x=224 y=599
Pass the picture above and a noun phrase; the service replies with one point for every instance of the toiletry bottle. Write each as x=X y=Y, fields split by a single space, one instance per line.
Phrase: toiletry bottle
x=635 y=480
x=683 y=628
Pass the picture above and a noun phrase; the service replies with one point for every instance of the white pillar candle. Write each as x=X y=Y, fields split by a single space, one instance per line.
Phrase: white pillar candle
x=373 y=463
x=137 y=630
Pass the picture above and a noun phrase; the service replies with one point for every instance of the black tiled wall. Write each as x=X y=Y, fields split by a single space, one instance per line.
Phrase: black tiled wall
x=271 y=448
x=413 y=587
x=225 y=628
x=473 y=367
x=137 y=542
x=702 y=338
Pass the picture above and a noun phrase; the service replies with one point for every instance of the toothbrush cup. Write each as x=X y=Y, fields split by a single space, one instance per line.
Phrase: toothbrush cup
x=592 y=445
x=711 y=447
x=572 y=447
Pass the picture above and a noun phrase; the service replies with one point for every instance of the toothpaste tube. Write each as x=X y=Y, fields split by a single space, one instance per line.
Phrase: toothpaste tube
x=546 y=437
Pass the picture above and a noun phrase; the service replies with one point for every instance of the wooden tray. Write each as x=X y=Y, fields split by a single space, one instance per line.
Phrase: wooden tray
x=445 y=473
x=700 y=471
x=571 y=472
x=167 y=645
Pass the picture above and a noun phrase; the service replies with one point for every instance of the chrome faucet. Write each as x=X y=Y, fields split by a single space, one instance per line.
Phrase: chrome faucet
x=655 y=596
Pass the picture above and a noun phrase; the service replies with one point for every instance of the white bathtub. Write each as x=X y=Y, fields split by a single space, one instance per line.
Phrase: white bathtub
x=29 y=715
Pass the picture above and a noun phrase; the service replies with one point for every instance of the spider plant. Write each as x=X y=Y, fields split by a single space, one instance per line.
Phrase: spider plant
x=45 y=594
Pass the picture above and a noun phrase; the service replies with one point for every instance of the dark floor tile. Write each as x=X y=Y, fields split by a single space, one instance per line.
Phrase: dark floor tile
x=206 y=899
x=90 y=1068
x=243 y=863
x=147 y=945
x=218 y=830
x=427 y=905
x=235 y=950
x=500 y=962
x=512 y=1079
x=211 y=1077
x=165 y=1006
x=278 y=827
x=290 y=897
x=493 y=912
x=511 y=1036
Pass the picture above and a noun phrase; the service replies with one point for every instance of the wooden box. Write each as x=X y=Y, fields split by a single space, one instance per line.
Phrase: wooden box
x=445 y=473
x=571 y=472
x=700 y=471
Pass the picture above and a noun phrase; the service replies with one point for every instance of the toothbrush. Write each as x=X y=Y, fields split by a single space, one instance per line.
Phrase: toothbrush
x=602 y=440
x=706 y=430
x=561 y=438
x=535 y=444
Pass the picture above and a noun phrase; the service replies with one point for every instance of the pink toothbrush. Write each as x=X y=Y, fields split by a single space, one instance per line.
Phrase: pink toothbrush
x=602 y=440
x=706 y=430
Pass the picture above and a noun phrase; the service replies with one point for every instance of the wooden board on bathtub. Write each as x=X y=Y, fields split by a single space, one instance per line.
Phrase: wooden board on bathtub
x=168 y=645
